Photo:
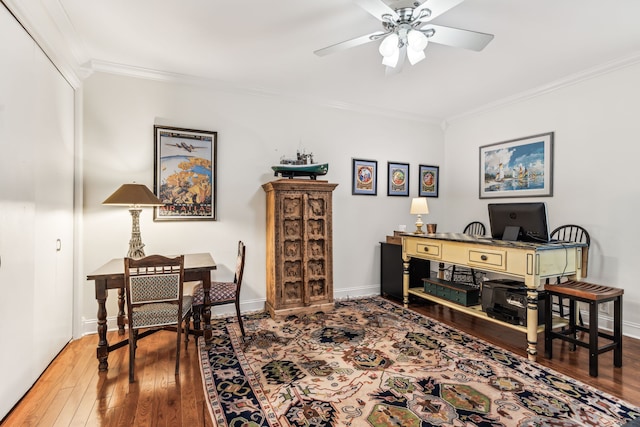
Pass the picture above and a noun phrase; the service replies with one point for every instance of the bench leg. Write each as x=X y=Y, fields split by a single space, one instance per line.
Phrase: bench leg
x=593 y=338
x=572 y=322
x=617 y=332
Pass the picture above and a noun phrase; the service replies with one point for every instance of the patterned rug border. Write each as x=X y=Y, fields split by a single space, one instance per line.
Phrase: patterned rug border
x=217 y=413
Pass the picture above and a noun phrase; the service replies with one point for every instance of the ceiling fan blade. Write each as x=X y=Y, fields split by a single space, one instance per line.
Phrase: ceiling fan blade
x=349 y=43
x=456 y=37
x=437 y=8
x=377 y=8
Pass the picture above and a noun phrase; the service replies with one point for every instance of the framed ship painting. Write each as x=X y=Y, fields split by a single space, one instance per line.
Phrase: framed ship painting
x=517 y=168
x=185 y=174
x=364 y=176
x=429 y=181
x=397 y=179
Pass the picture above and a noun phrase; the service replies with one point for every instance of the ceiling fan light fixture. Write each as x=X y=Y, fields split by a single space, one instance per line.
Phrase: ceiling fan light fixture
x=391 y=60
x=389 y=46
x=415 y=56
x=417 y=40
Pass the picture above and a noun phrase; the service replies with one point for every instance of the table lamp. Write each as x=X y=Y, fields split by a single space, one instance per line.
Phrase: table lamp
x=418 y=207
x=135 y=196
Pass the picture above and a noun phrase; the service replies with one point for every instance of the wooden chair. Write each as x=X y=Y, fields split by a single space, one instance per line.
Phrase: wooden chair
x=154 y=293
x=463 y=274
x=569 y=233
x=222 y=293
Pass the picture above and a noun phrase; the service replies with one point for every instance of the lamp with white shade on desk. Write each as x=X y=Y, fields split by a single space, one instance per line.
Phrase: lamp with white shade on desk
x=135 y=196
x=419 y=207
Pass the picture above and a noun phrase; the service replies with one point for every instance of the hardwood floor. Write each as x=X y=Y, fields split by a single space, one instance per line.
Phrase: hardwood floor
x=71 y=392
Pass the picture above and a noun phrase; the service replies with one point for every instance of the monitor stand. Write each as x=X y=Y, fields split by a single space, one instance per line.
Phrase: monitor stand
x=511 y=233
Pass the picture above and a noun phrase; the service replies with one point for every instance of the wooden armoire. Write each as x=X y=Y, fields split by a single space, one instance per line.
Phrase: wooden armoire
x=299 y=246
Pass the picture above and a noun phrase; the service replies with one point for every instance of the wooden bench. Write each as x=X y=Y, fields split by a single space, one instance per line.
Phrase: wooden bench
x=593 y=295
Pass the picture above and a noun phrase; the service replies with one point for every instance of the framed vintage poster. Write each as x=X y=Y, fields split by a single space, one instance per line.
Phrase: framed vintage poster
x=185 y=174
x=517 y=168
x=429 y=181
x=397 y=179
x=364 y=177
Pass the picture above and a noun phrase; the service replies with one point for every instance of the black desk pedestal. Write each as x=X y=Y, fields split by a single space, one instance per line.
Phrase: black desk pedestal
x=391 y=270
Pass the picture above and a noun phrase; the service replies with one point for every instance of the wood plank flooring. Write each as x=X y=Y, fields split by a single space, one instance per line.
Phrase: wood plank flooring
x=71 y=392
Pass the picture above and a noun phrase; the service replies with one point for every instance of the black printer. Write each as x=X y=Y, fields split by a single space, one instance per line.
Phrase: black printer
x=506 y=300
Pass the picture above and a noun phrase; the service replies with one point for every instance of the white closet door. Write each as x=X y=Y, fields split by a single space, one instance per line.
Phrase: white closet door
x=36 y=207
x=53 y=179
x=17 y=212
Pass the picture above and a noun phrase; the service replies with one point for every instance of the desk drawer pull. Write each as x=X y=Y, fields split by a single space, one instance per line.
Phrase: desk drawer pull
x=426 y=249
x=484 y=257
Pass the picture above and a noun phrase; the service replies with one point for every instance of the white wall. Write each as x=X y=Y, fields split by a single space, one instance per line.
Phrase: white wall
x=253 y=133
x=596 y=152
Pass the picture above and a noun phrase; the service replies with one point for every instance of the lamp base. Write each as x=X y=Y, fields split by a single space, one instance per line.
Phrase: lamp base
x=419 y=225
x=135 y=244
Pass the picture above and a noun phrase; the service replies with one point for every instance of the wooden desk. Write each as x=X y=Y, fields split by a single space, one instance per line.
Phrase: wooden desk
x=197 y=267
x=529 y=262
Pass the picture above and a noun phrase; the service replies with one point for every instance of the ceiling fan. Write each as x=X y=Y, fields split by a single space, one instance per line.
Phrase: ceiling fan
x=407 y=32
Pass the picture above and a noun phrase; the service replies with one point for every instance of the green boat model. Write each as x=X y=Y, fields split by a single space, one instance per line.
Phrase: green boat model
x=303 y=165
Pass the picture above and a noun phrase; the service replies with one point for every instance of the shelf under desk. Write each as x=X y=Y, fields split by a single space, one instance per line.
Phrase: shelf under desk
x=529 y=262
x=476 y=311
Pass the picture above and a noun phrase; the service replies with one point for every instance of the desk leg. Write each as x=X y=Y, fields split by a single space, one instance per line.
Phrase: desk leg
x=532 y=323
x=206 y=308
x=102 y=352
x=405 y=282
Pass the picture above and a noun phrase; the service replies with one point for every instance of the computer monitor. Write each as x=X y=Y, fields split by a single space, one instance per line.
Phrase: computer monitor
x=522 y=221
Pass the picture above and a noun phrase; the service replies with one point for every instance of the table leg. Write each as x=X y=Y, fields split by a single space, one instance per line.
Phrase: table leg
x=102 y=352
x=206 y=309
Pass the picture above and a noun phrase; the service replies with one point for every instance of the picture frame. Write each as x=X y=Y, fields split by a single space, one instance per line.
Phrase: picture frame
x=520 y=167
x=185 y=172
x=364 y=177
x=397 y=179
x=428 y=181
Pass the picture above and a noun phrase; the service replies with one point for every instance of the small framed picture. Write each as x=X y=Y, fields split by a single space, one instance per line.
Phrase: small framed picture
x=397 y=179
x=429 y=180
x=185 y=174
x=364 y=177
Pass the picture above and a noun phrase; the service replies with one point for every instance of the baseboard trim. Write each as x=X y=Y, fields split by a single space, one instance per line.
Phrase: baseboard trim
x=89 y=326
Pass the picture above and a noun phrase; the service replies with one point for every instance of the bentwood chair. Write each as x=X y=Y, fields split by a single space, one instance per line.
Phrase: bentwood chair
x=463 y=274
x=569 y=233
x=222 y=293
x=154 y=292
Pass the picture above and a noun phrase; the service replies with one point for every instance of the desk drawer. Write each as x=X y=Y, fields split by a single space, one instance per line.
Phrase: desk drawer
x=488 y=258
x=431 y=249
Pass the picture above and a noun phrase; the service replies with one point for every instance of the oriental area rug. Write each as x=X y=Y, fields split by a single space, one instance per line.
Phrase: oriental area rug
x=370 y=362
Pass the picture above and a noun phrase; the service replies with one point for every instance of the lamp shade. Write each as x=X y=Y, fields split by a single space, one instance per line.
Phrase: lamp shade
x=415 y=56
x=417 y=40
x=389 y=46
x=419 y=206
x=133 y=195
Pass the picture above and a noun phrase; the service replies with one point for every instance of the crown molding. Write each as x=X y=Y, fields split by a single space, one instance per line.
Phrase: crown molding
x=46 y=35
x=599 y=70
x=164 y=76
